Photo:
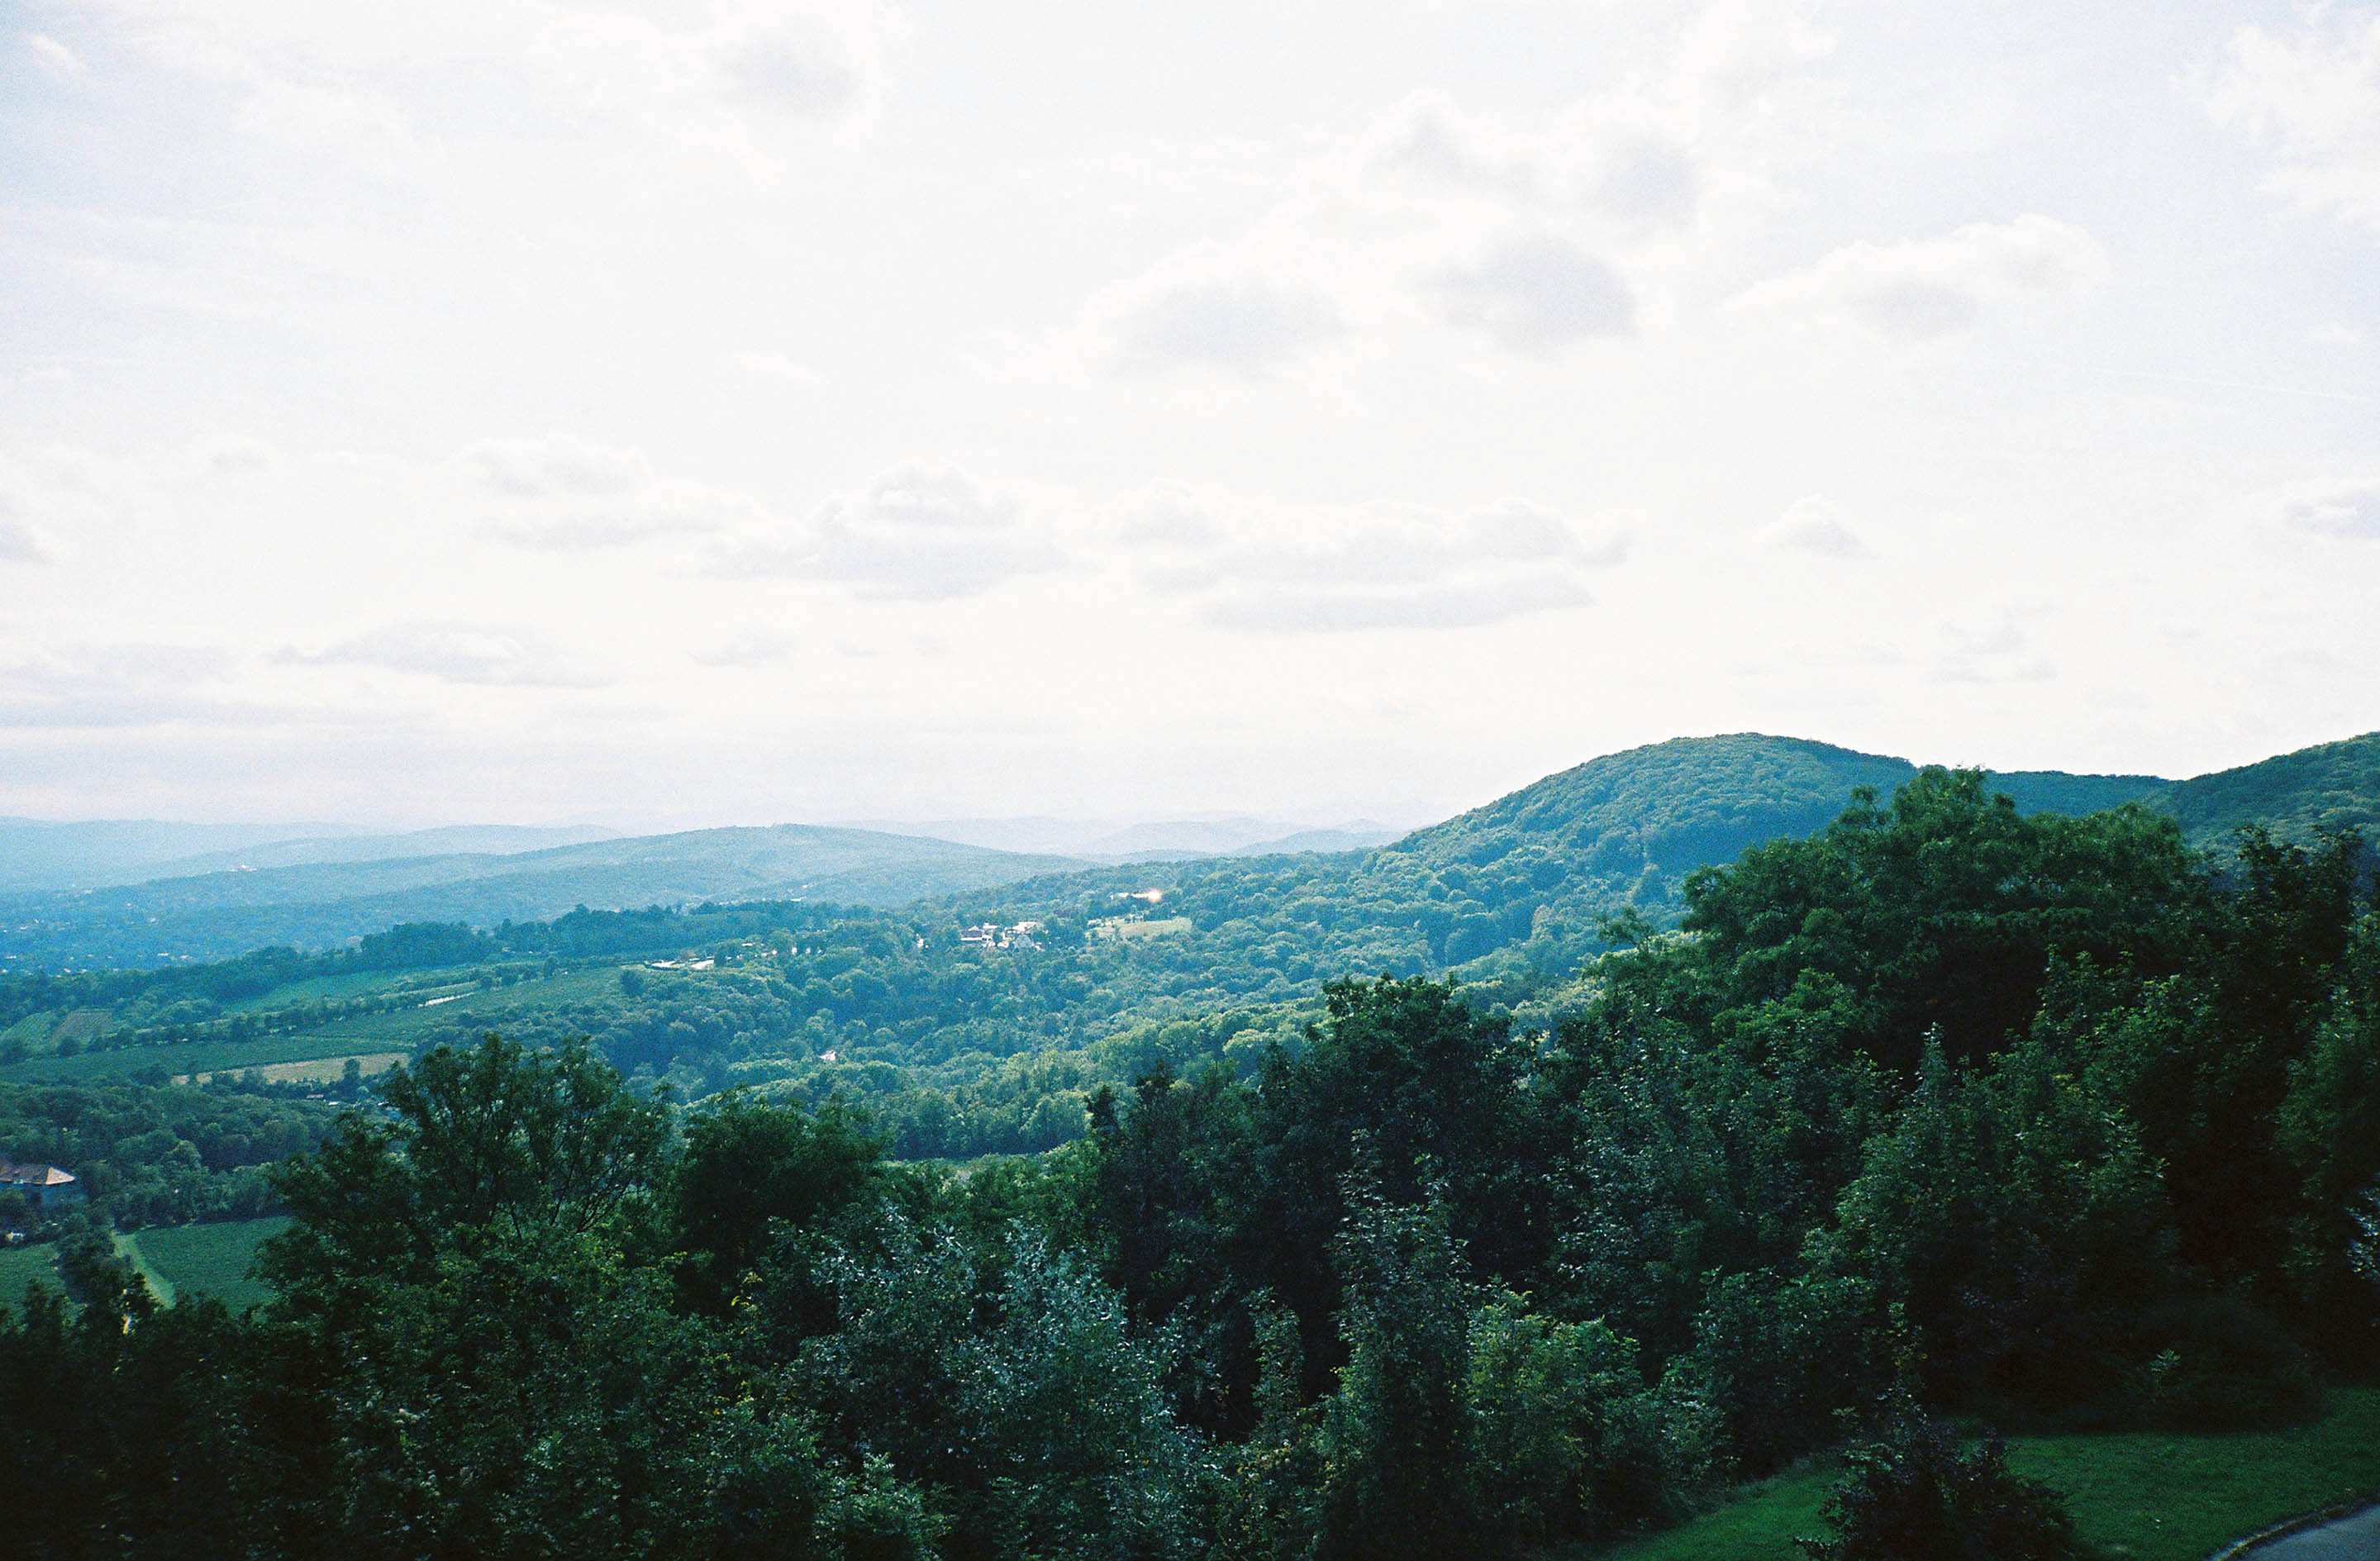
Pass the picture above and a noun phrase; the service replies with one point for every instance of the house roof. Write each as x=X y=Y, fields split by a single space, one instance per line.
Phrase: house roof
x=33 y=1176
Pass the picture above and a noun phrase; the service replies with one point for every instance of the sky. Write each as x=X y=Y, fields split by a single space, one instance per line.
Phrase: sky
x=719 y=412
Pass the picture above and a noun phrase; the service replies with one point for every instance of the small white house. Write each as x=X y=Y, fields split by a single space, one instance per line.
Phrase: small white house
x=48 y=1188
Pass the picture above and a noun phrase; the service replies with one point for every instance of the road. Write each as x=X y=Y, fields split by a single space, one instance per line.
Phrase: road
x=2355 y=1538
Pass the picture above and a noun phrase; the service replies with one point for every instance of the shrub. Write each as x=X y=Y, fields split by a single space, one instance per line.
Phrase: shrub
x=1913 y=1496
x=2217 y=1363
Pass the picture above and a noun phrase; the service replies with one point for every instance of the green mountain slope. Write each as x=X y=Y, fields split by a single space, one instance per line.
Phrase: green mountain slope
x=2330 y=786
x=1521 y=881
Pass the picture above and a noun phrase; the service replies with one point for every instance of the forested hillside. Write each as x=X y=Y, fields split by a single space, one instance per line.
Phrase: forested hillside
x=2333 y=786
x=1944 y=1109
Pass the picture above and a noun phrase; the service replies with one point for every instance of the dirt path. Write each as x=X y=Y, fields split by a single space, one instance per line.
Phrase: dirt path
x=2352 y=1538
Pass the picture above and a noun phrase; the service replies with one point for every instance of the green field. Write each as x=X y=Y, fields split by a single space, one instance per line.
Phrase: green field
x=357 y=1035
x=203 y=1259
x=21 y=1267
x=2140 y=1496
x=198 y=1056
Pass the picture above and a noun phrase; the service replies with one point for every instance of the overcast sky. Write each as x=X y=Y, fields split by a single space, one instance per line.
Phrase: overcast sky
x=686 y=414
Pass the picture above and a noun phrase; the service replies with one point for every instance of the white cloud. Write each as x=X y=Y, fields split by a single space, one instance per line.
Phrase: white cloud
x=1536 y=229
x=1287 y=570
x=756 y=647
x=653 y=516
x=18 y=542
x=2312 y=103
x=1536 y=295
x=119 y=685
x=460 y=653
x=55 y=57
x=2344 y=508
x=1811 y=525
x=1286 y=612
x=1588 y=157
x=1165 y=514
x=777 y=366
x=1427 y=136
x=534 y=468
x=235 y=456
x=2000 y=652
x=565 y=495
x=1206 y=309
x=918 y=533
x=810 y=67
x=1926 y=288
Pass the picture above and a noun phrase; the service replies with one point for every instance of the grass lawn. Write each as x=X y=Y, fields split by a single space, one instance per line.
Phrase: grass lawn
x=2157 y=1496
x=21 y=1266
x=1761 y=1524
x=2142 y=1496
x=204 y=1259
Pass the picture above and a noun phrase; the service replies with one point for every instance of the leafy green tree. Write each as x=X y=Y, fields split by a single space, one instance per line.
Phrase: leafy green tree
x=2016 y=1221
x=1398 y=1481
x=1780 y=1355
x=1405 y=1085
x=748 y=1168
x=1563 y=1441
x=1022 y=1403
x=126 y=1433
x=1939 y=911
x=475 y=1352
x=2329 y=1128
x=497 y=1144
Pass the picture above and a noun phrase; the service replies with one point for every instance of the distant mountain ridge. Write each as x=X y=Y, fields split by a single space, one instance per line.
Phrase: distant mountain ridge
x=1536 y=867
x=1174 y=840
x=40 y=853
x=317 y=903
x=453 y=840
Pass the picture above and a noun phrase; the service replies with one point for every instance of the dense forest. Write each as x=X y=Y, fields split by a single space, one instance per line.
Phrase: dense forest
x=1947 y=1110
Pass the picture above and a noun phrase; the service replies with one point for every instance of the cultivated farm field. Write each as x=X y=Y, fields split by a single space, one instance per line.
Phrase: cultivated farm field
x=433 y=1010
x=211 y=1259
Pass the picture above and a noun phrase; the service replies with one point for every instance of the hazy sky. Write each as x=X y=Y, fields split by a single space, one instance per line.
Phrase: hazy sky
x=465 y=410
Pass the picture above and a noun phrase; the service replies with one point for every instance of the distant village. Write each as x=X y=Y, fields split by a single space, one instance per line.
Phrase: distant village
x=1026 y=936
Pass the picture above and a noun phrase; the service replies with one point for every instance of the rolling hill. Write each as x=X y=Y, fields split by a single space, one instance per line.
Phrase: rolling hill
x=2329 y=786
x=37 y=853
x=316 y=904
